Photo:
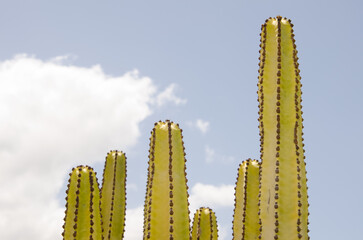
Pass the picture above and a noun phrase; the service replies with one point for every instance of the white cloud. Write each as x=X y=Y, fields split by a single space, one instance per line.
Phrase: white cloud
x=199 y=124
x=132 y=187
x=223 y=231
x=69 y=58
x=212 y=156
x=168 y=95
x=203 y=126
x=53 y=117
x=204 y=195
x=209 y=154
x=134 y=223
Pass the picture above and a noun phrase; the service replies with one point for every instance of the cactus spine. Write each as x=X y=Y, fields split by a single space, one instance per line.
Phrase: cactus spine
x=166 y=209
x=83 y=218
x=204 y=225
x=283 y=190
x=90 y=214
x=113 y=195
x=245 y=218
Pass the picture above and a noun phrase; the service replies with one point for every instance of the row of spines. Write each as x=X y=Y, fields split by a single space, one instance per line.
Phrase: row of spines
x=166 y=207
x=92 y=213
x=245 y=224
x=204 y=225
x=279 y=70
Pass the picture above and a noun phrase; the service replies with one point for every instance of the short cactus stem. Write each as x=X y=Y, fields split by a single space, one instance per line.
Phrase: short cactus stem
x=204 y=225
x=83 y=218
x=113 y=196
x=245 y=217
x=166 y=209
x=284 y=200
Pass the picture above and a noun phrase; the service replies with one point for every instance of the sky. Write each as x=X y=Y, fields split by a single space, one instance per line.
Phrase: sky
x=80 y=78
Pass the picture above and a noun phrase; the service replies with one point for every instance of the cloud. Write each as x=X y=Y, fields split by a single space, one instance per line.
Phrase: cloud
x=53 y=117
x=223 y=231
x=200 y=124
x=215 y=197
x=203 y=126
x=209 y=154
x=168 y=95
x=63 y=59
x=212 y=156
x=134 y=223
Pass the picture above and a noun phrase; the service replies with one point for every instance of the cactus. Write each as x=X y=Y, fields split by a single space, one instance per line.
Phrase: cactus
x=283 y=191
x=113 y=195
x=83 y=218
x=204 y=225
x=91 y=213
x=271 y=200
x=166 y=209
x=245 y=218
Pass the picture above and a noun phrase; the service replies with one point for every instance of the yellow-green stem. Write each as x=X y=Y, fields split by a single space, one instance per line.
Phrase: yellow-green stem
x=283 y=190
x=83 y=218
x=113 y=196
x=245 y=217
x=204 y=225
x=166 y=212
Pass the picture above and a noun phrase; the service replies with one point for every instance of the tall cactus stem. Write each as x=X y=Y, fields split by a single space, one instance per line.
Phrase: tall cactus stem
x=204 y=225
x=113 y=196
x=245 y=217
x=82 y=216
x=283 y=190
x=166 y=208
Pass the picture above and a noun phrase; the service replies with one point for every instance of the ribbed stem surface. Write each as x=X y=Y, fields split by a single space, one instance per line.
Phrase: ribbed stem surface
x=204 y=225
x=245 y=217
x=83 y=218
x=113 y=196
x=284 y=207
x=166 y=212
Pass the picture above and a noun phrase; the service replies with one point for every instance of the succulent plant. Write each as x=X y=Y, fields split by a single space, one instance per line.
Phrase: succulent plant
x=166 y=209
x=91 y=213
x=83 y=216
x=283 y=190
x=204 y=225
x=271 y=200
x=113 y=195
x=245 y=217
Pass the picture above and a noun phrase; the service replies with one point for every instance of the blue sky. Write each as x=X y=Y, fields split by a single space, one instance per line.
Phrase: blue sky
x=78 y=79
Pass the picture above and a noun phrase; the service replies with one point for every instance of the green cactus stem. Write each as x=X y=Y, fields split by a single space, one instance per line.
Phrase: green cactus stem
x=204 y=225
x=283 y=190
x=166 y=210
x=113 y=196
x=83 y=218
x=245 y=217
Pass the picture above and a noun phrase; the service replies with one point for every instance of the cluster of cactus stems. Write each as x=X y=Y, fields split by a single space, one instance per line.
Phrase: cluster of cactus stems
x=271 y=200
x=94 y=213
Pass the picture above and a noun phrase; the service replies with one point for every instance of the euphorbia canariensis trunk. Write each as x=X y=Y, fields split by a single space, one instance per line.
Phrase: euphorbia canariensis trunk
x=245 y=217
x=166 y=210
x=271 y=200
x=204 y=225
x=113 y=196
x=283 y=190
x=83 y=218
